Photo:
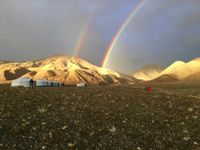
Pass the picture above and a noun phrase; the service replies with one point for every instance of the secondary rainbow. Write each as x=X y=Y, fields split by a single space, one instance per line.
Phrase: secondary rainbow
x=80 y=42
x=119 y=32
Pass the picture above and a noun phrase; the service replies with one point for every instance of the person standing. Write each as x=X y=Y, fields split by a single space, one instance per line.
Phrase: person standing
x=31 y=83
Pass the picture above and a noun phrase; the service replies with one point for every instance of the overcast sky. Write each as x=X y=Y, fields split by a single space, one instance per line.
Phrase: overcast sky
x=162 y=31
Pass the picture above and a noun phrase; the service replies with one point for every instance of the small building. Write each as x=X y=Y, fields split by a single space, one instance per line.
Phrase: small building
x=21 y=82
x=81 y=85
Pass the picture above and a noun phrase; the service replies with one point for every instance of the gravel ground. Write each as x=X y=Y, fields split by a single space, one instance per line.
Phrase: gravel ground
x=98 y=118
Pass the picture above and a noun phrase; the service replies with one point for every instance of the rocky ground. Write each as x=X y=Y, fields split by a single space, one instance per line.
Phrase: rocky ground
x=104 y=117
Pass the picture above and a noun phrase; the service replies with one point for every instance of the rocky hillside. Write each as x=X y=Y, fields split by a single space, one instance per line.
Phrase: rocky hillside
x=69 y=70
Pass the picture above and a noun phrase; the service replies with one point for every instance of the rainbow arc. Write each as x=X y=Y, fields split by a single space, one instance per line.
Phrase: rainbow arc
x=81 y=41
x=119 y=33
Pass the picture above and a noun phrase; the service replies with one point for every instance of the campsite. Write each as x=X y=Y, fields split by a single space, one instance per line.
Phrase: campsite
x=26 y=82
x=99 y=75
x=95 y=117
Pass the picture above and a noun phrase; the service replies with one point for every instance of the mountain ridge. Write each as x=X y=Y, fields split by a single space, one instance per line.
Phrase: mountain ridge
x=182 y=71
x=177 y=71
x=62 y=68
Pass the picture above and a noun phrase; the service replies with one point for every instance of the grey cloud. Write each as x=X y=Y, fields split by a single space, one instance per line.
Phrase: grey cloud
x=164 y=31
x=161 y=32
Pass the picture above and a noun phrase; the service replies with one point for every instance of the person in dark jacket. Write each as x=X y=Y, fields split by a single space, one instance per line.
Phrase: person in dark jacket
x=31 y=83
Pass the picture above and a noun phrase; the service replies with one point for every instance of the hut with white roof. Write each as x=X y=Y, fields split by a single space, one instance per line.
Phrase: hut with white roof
x=81 y=84
x=25 y=82
x=42 y=83
x=21 y=82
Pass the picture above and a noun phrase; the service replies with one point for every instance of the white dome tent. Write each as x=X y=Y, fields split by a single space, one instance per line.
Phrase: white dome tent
x=81 y=85
x=23 y=82
x=54 y=83
x=45 y=83
x=42 y=83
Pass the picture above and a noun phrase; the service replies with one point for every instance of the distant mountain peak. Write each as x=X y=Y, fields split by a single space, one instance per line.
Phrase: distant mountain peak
x=148 y=72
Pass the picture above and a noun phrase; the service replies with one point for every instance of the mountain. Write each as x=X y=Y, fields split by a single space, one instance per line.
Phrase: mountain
x=178 y=71
x=166 y=78
x=181 y=71
x=179 y=68
x=148 y=72
x=69 y=70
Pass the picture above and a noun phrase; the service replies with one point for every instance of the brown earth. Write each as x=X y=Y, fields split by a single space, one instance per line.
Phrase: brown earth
x=101 y=117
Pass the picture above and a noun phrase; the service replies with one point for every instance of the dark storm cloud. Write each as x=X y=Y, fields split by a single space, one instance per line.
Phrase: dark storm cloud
x=31 y=29
x=161 y=32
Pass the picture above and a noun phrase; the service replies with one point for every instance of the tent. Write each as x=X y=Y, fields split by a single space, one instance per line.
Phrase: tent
x=23 y=82
x=54 y=83
x=42 y=83
x=148 y=89
x=45 y=83
x=81 y=85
